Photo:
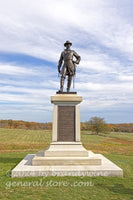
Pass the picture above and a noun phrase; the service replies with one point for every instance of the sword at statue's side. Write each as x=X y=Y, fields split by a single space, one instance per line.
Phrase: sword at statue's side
x=74 y=74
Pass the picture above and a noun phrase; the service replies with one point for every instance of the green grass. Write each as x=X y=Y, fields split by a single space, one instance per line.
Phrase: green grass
x=120 y=143
x=126 y=136
x=16 y=144
x=24 y=140
x=24 y=136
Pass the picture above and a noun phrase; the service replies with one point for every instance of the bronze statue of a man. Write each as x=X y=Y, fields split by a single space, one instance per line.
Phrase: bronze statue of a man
x=69 y=65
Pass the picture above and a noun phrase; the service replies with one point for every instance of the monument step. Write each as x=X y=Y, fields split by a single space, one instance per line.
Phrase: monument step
x=26 y=169
x=66 y=153
x=65 y=149
x=43 y=161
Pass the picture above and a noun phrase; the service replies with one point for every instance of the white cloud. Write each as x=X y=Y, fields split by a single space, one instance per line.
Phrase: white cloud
x=101 y=33
x=40 y=91
x=126 y=77
x=15 y=70
x=41 y=29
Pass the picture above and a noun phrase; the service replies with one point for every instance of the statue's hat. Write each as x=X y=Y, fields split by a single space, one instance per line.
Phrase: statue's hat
x=67 y=42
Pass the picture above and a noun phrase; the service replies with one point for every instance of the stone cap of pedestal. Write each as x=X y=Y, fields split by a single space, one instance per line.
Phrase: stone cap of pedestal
x=66 y=98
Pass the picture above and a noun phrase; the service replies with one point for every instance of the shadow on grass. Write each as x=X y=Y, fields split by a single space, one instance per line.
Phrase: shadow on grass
x=10 y=160
x=10 y=163
x=119 y=189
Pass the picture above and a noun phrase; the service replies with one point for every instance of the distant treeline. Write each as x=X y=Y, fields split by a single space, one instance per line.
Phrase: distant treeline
x=123 y=127
x=14 y=124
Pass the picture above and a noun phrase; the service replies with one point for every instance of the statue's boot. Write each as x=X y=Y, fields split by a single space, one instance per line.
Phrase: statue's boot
x=69 y=83
x=61 y=84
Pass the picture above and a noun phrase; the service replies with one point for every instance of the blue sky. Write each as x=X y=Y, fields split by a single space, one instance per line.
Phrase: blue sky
x=32 y=34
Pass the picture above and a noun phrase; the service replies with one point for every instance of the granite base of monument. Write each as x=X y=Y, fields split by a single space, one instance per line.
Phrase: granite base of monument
x=65 y=153
x=66 y=156
x=26 y=169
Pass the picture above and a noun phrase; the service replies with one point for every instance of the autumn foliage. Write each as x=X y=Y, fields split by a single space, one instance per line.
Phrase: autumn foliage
x=123 y=127
x=13 y=124
x=85 y=126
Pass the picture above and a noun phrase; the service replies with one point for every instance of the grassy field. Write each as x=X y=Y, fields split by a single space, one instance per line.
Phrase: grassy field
x=16 y=144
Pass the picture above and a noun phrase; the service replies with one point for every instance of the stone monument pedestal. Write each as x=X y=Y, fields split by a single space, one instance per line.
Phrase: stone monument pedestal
x=66 y=156
x=66 y=148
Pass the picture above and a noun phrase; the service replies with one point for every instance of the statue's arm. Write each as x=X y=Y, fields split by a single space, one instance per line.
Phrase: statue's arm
x=78 y=58
x=60 y=62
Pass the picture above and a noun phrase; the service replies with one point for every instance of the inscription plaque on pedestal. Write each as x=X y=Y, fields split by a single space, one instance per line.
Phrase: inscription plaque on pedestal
x=66 y=123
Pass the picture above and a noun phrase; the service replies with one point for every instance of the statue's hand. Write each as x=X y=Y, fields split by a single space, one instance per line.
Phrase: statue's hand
x=59 y=71
x=76 y=62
